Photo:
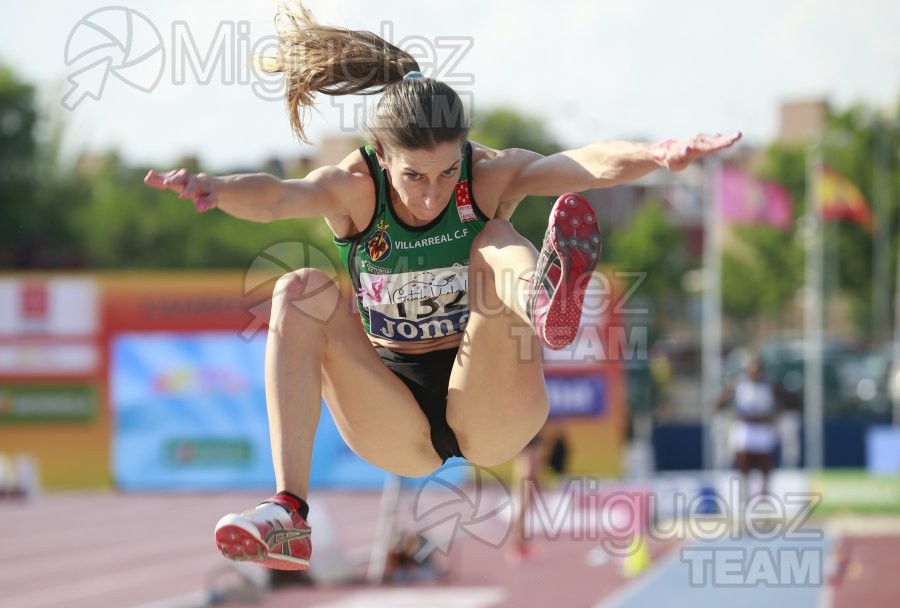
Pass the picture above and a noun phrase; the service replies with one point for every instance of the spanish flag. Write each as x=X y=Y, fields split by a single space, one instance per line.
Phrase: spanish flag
x=840 y=200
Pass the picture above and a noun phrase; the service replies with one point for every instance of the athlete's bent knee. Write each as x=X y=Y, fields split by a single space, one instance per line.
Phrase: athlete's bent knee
x=488 y=453
x=496 y=233
x=423 y=462
x=416 y=469
x=308 y=291
x=491 y=456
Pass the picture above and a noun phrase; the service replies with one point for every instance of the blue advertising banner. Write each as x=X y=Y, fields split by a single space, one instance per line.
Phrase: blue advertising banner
x=190 y=414
x=583 y=395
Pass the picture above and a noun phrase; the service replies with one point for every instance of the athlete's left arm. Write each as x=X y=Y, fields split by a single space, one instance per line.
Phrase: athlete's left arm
x=599 y=165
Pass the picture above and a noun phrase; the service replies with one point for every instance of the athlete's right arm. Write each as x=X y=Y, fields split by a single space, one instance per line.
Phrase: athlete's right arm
x=260 y=197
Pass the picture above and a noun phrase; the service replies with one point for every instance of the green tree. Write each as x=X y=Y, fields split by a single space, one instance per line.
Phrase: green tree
x=502 y=128
x=40 y=197
x=125 y=224
x=653 y=246
x=862 y=144
x=99 y=213
x=761 y=279
x=18 y=118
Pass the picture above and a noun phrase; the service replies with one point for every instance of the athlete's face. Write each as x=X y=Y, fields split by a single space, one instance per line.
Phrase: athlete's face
x=423 y=180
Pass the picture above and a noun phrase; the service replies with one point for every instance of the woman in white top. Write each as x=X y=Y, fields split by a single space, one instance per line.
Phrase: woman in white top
x=752 y=435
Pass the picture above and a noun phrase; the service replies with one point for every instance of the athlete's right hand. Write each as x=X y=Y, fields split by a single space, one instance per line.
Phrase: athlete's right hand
x=198 y=188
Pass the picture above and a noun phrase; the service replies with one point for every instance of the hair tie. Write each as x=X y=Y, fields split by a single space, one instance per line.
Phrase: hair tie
x=413 y=75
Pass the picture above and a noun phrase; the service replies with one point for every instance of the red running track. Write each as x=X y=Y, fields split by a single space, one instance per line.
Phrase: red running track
x=119 y=550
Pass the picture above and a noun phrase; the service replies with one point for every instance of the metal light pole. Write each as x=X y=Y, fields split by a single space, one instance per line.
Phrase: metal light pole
x=711 y=347
x=813 y=317
x=895 y=367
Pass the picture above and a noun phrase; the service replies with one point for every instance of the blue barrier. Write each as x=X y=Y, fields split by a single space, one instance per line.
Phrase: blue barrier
x=679 y=447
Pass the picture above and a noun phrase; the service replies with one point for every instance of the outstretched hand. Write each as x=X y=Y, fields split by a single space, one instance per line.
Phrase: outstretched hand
x=188 y=186
x=676 y=155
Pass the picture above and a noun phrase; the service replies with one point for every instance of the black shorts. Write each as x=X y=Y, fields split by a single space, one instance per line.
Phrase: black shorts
x=427 y=375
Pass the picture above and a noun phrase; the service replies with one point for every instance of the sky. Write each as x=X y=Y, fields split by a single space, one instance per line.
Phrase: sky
x=592 y=69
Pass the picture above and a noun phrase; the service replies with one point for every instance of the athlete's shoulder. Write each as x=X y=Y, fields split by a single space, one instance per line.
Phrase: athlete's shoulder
x=349 y=177
x=492 y=173
x=484 y=157
x=355 y=163
x=349 y=186
x=481 y=152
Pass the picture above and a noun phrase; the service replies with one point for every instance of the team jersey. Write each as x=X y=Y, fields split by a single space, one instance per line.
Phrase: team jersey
x=412 y=283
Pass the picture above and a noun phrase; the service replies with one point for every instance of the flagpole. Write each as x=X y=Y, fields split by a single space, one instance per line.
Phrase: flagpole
x=711 y=346
x=894 y=378
x=895 y=367
x=881 y=265
x=814 y=315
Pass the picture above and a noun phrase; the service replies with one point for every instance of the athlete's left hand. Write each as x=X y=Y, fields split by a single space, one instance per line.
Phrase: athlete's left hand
x=676 y=155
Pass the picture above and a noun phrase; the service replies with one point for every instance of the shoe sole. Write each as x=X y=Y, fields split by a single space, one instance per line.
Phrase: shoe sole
x=574 y=236
x=238 y=540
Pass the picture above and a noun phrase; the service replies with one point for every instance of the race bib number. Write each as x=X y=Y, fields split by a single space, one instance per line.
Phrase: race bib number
x=415 y=306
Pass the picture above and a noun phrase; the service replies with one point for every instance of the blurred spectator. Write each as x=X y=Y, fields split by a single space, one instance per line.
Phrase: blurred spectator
x=661 y=375
x=549 y=449
x=752 y=434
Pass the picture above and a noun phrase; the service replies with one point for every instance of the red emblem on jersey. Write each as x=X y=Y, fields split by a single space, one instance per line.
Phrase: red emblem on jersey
x=379 y=246
x=464 y=202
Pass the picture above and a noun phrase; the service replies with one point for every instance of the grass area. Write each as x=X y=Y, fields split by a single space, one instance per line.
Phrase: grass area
x=856 y=491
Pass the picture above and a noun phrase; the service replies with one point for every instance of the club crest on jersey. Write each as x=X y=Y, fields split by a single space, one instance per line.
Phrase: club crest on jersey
x=464 y=202
x=379 y=246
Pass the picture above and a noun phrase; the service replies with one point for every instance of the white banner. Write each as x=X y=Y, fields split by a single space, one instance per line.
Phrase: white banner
x=64 y=307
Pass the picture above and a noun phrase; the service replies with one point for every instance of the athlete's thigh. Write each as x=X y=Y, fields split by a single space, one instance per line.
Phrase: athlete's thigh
x=497 y=399
x=500 y=356
x=374 y=411
x=499 y=362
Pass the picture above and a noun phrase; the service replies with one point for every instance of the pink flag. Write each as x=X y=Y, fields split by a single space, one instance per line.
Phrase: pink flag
x=748 y=200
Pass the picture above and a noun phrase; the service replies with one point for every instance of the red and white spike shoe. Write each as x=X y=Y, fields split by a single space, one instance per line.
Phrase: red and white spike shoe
x=570 y=252
x=273 y=534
